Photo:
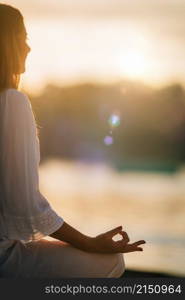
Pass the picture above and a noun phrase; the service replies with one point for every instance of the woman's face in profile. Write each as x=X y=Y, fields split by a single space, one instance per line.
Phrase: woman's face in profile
x=24 y=49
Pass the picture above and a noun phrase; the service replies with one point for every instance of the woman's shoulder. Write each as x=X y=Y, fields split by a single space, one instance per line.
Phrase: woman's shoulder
x=13 y=95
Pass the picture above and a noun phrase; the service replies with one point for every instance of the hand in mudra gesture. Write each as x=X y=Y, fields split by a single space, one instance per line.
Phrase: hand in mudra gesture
x=104 y=243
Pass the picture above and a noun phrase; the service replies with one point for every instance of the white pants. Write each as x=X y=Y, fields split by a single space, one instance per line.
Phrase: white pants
x=55 y=259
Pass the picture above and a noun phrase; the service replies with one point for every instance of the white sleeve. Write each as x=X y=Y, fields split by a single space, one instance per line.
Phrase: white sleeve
x=26 y=212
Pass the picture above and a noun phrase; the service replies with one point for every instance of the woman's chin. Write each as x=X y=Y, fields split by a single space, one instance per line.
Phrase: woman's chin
x=23 y=70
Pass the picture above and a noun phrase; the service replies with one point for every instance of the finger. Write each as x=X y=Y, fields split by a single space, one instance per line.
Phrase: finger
x=135 y=250
x=125 y=236
x=130 y=248
x=120 y=245
x=139 y=249
x=139 y=243
x=114 y=231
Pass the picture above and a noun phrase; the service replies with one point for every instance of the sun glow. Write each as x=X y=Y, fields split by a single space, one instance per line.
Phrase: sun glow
x=134 y=64
x=73 y=50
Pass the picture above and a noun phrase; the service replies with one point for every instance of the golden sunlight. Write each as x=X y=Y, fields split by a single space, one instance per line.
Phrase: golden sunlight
x=73 y=50
x=134 y=64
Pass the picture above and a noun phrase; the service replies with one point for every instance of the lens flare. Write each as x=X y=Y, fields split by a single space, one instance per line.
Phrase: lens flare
x=114 y=120
x=108 y=140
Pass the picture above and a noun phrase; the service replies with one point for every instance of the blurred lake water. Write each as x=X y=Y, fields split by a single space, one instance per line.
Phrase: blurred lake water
x=95 y=198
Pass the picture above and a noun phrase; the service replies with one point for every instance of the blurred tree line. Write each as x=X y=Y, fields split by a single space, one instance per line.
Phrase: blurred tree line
x=73 y=123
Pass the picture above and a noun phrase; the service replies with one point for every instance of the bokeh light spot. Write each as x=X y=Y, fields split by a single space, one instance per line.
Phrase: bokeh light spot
x=108 y=140
x=114 y=120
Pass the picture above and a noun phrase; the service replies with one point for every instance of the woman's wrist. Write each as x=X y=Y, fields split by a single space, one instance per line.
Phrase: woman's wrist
x=89 y=244
x=82 y=242
x=72 y=236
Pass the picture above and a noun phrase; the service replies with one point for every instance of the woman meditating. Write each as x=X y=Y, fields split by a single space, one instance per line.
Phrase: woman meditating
x=26 y=217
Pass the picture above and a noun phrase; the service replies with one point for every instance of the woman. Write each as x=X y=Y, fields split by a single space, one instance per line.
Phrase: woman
x=25 y=215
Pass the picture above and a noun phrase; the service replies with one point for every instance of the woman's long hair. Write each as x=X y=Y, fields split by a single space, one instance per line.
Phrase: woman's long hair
x=11 y=26
x=11 y=29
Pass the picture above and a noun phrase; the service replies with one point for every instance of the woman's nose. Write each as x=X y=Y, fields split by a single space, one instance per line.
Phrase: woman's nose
x=28 y=48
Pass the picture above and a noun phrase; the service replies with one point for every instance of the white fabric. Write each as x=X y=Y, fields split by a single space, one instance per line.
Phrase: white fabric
x=25 y=213
x=55 y=259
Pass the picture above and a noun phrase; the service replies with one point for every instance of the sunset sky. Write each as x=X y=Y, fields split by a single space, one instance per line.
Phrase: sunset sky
x=103 y=40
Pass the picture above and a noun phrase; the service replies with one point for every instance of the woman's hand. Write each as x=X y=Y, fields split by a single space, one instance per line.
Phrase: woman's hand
x=104 y=243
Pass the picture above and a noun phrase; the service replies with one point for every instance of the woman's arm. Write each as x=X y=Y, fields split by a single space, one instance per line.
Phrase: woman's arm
x=102 y=243
x=72 y=236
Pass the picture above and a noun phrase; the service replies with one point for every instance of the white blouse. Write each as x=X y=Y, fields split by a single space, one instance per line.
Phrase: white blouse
x=25 y=214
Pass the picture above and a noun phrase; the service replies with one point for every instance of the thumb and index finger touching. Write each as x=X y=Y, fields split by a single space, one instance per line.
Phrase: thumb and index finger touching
x=120 y=231
x=114 y=231
x=125 y=236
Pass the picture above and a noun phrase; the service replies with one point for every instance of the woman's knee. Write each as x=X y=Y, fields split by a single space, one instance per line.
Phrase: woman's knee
x=119 y=266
